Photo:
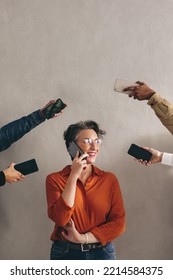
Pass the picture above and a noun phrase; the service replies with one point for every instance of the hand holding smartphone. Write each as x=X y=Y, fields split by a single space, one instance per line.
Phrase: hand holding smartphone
x=54 y=108
x=73 y=148
x=121 y=84
x=139 y=153
x=27 y=167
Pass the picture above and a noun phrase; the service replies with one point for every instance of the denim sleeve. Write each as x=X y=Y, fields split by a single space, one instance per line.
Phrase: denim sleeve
x=2 y=178
x=15 y=130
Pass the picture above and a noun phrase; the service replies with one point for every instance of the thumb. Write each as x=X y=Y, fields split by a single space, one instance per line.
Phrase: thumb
x=64 y=234
x=12 y=165
x=148 y=149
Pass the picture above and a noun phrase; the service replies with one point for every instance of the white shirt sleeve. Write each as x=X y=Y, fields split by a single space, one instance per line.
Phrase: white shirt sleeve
x=167 y=159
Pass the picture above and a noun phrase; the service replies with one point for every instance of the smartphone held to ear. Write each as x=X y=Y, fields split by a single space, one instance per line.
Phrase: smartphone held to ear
x=121 y=84
x=139 y=153
x=73 y=148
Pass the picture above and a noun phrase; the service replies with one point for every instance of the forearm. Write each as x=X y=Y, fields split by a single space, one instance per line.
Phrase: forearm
x=70 y=190
x=73 y=235
x=88 y=237
x=15 y=130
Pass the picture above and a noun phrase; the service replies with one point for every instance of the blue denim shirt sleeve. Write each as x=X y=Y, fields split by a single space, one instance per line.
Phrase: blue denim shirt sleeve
x=15 y=130
x=2 y=178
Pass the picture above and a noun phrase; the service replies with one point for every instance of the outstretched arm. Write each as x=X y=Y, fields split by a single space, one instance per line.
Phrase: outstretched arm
x=162 y=107
x=15 y=130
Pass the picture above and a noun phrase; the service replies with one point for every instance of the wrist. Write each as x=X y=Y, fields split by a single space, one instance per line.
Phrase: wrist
x=150 y=94
x=43 y=118
x=85 y=238
x=160 y=157
x=73 y=177
x=5 y=174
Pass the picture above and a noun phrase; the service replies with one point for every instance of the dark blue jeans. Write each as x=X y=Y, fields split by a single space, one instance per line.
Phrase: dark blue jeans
x=62 y=252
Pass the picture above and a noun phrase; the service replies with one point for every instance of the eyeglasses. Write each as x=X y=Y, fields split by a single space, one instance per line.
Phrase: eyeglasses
x=89 y=141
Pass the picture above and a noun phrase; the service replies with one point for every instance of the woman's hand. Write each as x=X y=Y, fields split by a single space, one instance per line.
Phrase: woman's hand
x=71 y=234
x=78 y=164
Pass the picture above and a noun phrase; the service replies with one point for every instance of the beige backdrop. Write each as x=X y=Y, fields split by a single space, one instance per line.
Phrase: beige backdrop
x=74 y=49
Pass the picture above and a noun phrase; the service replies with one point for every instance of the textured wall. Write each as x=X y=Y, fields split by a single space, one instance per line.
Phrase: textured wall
x=74 y=49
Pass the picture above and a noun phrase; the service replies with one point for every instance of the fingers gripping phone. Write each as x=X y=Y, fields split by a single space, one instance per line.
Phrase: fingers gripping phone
x=139 y=152
x=120 y=85
x=73 y=148
x=54 y=108
x=27 y=167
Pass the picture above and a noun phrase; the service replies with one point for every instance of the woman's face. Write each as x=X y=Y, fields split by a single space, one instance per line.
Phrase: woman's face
x=89 y=142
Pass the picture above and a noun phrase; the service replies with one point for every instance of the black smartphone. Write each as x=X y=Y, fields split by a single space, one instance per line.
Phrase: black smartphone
x=73 y=148
x=54 y=108
x=27 y=167
x=139 y=152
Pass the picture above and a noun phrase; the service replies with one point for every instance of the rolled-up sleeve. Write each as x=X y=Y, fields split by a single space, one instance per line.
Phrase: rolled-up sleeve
x=163 y=109
x=115 y=221
x=58 y=210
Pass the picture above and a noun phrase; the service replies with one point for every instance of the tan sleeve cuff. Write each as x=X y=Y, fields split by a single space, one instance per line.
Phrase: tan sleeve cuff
x=156 y=98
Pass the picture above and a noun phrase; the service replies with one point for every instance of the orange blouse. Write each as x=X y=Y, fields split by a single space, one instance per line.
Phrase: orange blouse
x=98 y=206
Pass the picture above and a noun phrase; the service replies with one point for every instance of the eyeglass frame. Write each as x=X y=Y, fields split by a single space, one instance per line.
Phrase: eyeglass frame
x=90 y=141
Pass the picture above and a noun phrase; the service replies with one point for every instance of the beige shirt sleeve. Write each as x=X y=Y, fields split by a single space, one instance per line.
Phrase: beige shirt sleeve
x=163 y=109
x=167 y=159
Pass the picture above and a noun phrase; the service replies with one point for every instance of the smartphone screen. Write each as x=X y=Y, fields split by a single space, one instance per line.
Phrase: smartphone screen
x=73 y=148
x=27 y=167
x=120 y=85
x=139 y=152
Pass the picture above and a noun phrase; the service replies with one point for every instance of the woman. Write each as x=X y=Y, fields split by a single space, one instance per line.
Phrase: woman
x=84 y=202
